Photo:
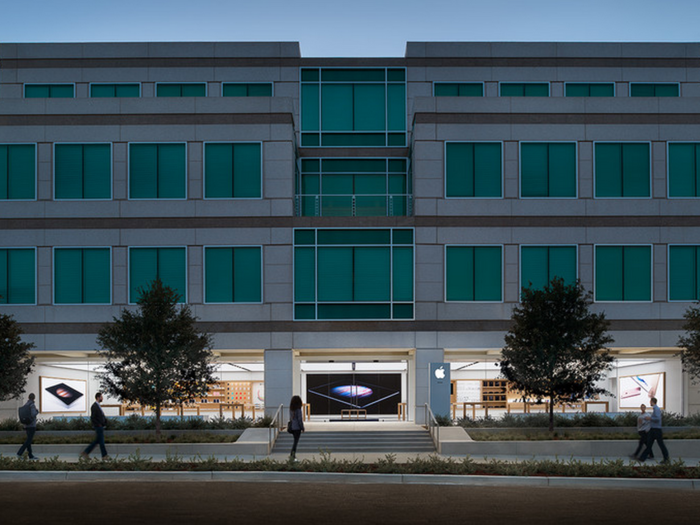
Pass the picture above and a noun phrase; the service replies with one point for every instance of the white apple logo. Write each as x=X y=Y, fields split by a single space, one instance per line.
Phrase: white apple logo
x=440 y=373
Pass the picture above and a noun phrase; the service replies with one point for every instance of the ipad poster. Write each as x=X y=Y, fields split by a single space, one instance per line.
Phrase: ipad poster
x=638 y=389
x=62 y=395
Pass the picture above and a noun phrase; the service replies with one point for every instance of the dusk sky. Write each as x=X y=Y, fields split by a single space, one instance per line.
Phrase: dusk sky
x=358 y=28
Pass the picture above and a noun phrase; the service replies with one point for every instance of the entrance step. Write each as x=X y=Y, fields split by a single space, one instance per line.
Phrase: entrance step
x=339 y=442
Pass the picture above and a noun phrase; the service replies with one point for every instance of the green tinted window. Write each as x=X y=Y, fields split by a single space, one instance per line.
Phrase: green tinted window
x=17 y=276
x=473 y=273
x=49 y=91
x=83 y=171
x=157 y=171
x=540 y=264
x=247 y=90
x=684 y=169
x=473 y=169
x=623 y=273
x=622 y=170
x=548 y=169
x=232 y=170
x=233 y=275
x=181 y=90
x=82 y=276
x=454 y=89
x=148 y=264
x=521 y=89
x=654 y=90
x=579 y=89
x=683 y=273
x=17 y=171
x=115 y=90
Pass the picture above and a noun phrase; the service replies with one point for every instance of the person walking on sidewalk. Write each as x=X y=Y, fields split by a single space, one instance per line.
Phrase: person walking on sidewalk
x=643 y=426
x=296 y=423
x=29 y=428
x=655 y=433
x=99 y=422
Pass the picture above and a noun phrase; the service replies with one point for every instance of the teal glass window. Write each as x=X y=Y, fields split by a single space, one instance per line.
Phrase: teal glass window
x=232 y=170
x=683 y=273
x=82 y=276
x=353 y=188
x=655 y=90
x=623 y=273
x=473 y=273
x=233 y=274
x=49 y=91
x=17 y=276
x=115 y=90
x=540 y=264
x=17 y=171
x=353 y=107
x=197 y=89
x=582 y=89
x=548 y=169
x=524 y=89
x=353 y=274
x=684 y=169
x=157 y=171
x=473 y=169
x=247 y=90
x=148 y=264
x=622 y=169
x=458 y=89
x=83 y=171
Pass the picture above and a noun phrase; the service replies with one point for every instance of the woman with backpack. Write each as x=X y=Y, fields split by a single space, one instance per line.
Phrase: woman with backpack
x=27 y=416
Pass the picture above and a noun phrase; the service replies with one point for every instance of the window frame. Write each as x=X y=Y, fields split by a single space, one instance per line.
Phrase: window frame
x=53 y=274
x=36 y=277
x=205 y=83
x=668 y=271
x=540 y=245
x=651 y=273
x=111 y=171
x=549 y=87
x=629 y=89
x=475 y=82
x=614 y=85
x=225 y=83
x=651 y=168
x=139 y=84
x=444 y=168
x=204 y=170
x=520 y=168
x=204 y=273
x=444 y=273
x=128 y=173
x=36 y=170
x=128 y=270
x=49 y=84
x=668 y=169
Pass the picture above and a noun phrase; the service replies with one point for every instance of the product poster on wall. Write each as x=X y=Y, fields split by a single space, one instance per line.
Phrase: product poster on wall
x=468 y=391
x=635 y=390
x=62 y=395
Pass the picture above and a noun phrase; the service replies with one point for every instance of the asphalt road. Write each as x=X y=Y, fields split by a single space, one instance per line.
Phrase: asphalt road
x=237 y=503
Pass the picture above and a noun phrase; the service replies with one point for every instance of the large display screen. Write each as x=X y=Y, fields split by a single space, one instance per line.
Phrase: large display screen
x=376 y=393
x=635 y=390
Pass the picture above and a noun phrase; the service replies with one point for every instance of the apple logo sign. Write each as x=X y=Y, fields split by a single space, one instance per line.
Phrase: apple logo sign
x=440 y=373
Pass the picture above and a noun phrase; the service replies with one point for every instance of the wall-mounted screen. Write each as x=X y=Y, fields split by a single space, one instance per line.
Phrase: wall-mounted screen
x=638 y=389
x=62 y=395
x=376 y=393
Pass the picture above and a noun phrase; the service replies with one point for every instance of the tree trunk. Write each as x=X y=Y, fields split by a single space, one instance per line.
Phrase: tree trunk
x=158 y=422
x=551 y=413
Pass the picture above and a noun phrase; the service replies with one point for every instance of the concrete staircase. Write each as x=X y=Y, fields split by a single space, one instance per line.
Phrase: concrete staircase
x=357 y=441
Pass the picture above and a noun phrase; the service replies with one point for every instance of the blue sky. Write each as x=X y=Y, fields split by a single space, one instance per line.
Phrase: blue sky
x=349 y=28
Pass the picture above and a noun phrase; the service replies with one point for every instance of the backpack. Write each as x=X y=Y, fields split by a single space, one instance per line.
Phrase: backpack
x=25 y=414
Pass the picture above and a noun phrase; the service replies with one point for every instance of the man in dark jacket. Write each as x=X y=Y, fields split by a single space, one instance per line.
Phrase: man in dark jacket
x=29 y=428
x=99 y=422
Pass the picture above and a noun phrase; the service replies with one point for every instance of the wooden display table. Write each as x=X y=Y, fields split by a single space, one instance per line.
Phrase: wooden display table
x=353 y=412
x=474 y=404
x=403 y=409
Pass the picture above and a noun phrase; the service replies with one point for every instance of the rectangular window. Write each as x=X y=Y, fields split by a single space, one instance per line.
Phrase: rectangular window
x=524 y=89
x=473 y=273
x=148 y=264
x=232 y=170
x=622 y=169
x=17 y=171
x=157 y=171
x=683 y=273
x=82 y=276
x=581 y=89
x=49 y=91
x=655 y=90
x=540 y=264
x=17 y=276
x=115 y=90
x=247 y=90
x=353 y=107
x=353 y=188
x=473 y=169
x=233 y=275
x=198 y=89
x=684 y=169
x=353 y=274
x=623 y=273
x=548 y=169
x=83 y=171
x=458 y=89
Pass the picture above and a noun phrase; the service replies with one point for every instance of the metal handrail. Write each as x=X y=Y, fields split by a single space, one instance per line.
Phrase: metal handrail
x=274 y=429
x=433 y=427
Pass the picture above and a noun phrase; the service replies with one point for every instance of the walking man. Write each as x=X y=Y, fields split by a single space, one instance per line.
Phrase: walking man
x=655 y=433
x=99 y=421
x=29 y=428
x=643 y=426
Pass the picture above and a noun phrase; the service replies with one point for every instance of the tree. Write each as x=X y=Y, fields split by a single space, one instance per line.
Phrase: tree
x=690 y=344
x=15 y=361
x=156 y=355
x=556 y=346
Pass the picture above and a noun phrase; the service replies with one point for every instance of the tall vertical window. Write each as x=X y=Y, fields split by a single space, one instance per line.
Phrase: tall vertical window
x=353 y=107
x=232 y=170
x=548 y=169
x=473 y=169
x=82 y=276
x=524 y=89
x=49 y=91
x=83 y=171
x=17 y=276
x=148 y=264
x=233 y=274
x=540 y=264
x=458 y=89
x=655 y=90
x=198 y=89
x=353 y=274
x=581 y=89
x=684 y=169
x=17 y=171
x=684 y=273
x=247 y=89
x=473 y=273
x=623 y=273
x=115 y=90
x=622 y=169
x=157 y=171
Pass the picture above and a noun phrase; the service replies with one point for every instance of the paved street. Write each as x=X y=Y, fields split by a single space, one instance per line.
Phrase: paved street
x=337 y=504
